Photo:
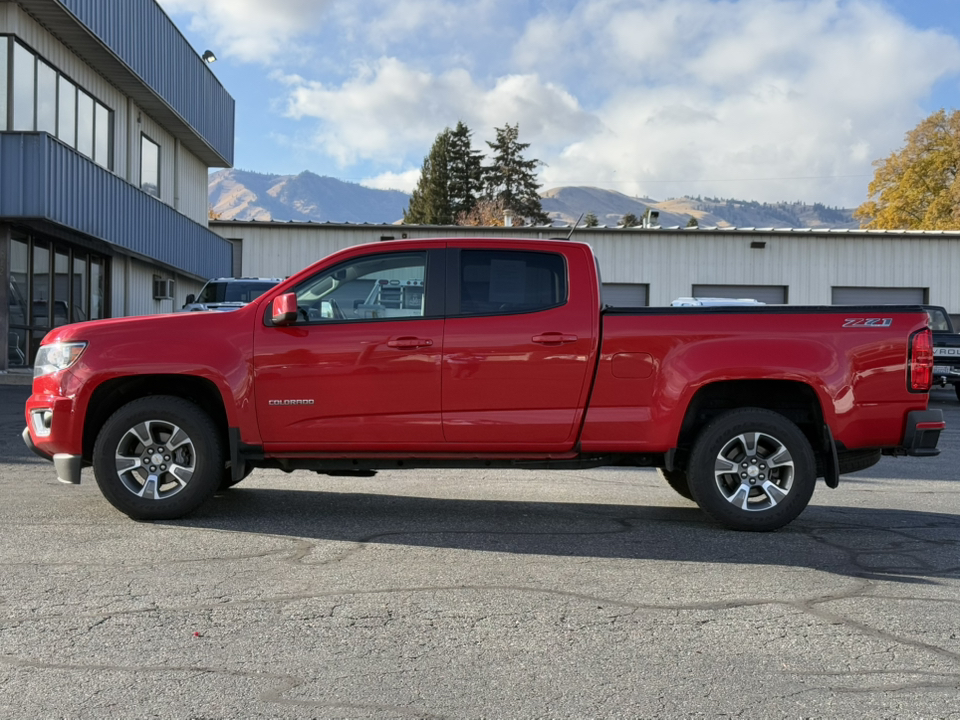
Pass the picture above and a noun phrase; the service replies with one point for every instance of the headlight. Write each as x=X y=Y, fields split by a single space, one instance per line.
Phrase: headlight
x=56 y=357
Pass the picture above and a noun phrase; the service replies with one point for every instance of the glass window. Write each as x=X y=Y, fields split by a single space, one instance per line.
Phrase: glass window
x=61 y=288
x=84 y=123
x=46 y=98
x=67 y=119
x=41 y=286
x=368 y=288
x=493 y=282
x=149 y=166
x=24 y=78
x=97 y=289
x=79 y=288
x=17 y=302
x=101 y=151
x=4 y=45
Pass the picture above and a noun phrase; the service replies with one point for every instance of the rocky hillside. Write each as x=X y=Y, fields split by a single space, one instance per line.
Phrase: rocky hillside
x=244 y=195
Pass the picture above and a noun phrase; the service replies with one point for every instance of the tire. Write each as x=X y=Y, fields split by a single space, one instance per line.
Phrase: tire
x=677 y=479
x=732 y=477
x=956 y=389
x=158 y=458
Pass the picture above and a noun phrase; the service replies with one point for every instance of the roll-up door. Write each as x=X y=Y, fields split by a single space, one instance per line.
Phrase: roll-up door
x=878 y=296
x=626 y=294
x=770 y=294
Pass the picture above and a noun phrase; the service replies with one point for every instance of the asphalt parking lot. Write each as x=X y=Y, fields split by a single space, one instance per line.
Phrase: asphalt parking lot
x=482 y=594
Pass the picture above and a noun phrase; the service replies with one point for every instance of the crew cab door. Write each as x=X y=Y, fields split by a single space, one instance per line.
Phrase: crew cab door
x=519 y=347
x=360 y=368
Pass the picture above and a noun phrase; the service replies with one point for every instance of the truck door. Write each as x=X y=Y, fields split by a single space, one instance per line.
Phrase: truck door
x=360 y=369
x=519 y=343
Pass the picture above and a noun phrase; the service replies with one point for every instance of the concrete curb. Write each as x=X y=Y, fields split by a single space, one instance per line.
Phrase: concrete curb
x=16 y=378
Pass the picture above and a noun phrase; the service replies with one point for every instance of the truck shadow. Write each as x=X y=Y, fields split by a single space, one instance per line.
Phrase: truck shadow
x=895 y=545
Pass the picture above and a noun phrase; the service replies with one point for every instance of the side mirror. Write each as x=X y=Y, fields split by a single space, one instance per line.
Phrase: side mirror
x=191 y=298
x=284 y=309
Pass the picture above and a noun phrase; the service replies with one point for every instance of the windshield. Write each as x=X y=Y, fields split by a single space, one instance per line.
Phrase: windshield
x=243 y=291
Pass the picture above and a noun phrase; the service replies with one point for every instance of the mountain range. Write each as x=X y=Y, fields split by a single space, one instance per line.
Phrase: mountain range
x=245 y=195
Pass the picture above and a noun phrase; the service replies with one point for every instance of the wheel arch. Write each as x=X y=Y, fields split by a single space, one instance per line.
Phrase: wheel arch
x=113 y=394
x=795 y=400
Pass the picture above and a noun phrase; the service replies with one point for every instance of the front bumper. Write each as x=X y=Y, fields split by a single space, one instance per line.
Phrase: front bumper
x=68 y=466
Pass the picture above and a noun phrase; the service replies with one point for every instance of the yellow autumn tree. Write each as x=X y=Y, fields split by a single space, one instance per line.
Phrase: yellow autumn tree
x=917 y=187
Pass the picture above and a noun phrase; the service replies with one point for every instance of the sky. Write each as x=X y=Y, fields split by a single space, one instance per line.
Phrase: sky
x=766 y=100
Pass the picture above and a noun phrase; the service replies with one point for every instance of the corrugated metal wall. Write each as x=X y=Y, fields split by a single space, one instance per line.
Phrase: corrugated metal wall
x=132 y=283
x=129 y=120
x=670 y=262
x=41 y=178
x=144 y=38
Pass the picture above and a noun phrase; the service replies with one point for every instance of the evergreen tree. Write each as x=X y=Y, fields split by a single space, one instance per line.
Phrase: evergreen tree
x=430 y=201
x=510 y=178
x=693 y=222
x=465 y=171
x=591 y=220
x=629 y=220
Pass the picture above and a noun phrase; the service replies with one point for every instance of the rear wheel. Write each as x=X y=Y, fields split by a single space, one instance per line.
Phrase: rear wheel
x=677 y=479
x=158 y=458
x=752 y=469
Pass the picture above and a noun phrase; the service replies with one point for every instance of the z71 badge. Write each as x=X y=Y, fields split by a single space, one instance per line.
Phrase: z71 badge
x=868 y=322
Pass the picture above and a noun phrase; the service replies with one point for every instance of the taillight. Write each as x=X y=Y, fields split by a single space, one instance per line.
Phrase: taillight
x=920 y=373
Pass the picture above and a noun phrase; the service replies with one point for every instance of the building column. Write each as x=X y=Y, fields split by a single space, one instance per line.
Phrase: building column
x=4 y=296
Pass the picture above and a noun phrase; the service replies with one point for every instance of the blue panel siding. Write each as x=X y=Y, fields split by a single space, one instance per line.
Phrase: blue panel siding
x=40 y=178
x=145 y=39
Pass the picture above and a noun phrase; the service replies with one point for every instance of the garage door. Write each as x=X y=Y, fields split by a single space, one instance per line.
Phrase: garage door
x=626 y=294
x=878 y=296
x=770 y=294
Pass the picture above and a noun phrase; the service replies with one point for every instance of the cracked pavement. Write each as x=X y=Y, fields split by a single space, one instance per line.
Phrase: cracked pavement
x=478 y=594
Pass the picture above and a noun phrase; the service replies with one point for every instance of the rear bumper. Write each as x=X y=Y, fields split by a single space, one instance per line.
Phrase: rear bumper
x=923 y=433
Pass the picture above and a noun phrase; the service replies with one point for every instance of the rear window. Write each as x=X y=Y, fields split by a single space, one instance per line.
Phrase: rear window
x=503 y=281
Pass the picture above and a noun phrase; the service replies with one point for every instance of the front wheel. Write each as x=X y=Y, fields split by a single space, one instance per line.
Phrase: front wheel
x=158 y=458
x=752 y=469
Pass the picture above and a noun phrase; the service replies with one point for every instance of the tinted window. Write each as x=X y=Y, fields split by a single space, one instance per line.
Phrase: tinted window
x=503 y=281
x=67 y=120
x=24 y=77
x=244 y=291
x=4 y=45
x=368 y=288
x=84 y=123
x=149 y=166
x=46 y=98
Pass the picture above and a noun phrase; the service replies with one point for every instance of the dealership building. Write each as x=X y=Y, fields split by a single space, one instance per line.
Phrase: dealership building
x=109 y=124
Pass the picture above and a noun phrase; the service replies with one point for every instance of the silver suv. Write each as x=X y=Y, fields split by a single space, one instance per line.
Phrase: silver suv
x=228 y=293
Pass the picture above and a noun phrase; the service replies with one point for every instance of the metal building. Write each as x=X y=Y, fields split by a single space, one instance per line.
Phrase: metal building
x=654 y=266
x=109 y=122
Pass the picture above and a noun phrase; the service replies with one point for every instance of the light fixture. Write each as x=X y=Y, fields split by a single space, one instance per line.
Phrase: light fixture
x=209 y=56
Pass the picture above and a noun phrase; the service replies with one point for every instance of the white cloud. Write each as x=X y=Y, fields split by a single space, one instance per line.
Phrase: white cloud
x=391 y=113
x=252 y=30
x=404 y=181
x=762 y=99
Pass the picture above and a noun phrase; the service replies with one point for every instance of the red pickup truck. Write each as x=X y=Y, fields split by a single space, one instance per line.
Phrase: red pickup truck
x=480 y=353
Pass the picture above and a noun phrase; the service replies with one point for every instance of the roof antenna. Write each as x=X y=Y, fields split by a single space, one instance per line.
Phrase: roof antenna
x=577 y=223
